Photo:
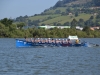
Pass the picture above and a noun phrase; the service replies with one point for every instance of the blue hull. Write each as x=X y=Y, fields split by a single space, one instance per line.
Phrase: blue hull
x=23 y=43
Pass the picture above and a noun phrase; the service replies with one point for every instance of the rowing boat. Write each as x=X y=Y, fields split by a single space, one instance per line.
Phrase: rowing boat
x=24 y=43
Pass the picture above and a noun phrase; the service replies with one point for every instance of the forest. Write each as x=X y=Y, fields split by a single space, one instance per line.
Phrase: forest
x=10 y=30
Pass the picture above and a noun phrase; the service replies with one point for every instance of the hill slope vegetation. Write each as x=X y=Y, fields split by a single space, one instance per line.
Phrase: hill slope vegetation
x=86 y=12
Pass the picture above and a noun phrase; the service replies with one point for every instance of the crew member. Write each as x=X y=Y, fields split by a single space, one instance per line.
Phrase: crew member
x=77 y=41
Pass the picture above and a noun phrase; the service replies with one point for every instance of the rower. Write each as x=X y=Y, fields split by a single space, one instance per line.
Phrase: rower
x=77 y=41
x=69 y=42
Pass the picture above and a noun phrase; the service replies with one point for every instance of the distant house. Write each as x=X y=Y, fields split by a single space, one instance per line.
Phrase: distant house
x=49 y=27
x=94 y=14
x=79 y=28
x=94 y=28
x=91 y=28
x=94 y=7
x=70 y=14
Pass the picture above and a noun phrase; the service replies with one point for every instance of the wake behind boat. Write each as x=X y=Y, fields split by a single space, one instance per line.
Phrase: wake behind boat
x=71 y=41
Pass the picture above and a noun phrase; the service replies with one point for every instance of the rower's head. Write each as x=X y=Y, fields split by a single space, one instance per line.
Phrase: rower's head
x=68 y=39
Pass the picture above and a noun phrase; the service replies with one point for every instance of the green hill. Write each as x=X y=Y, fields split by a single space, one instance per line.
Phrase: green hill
x=65 y=11
x=63 y=19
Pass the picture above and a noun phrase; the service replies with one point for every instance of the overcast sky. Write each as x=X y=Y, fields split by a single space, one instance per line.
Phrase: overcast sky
x=16 y=8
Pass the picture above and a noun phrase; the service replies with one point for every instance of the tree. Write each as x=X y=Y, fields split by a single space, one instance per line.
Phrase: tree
x=63 y=13
x=6 y=21
x=4 y=31
x=12 y=27
x=98 y=16
x=49 y=17
x=68 y=10
x=66 y=24
x=25 y=16
x=55 y=23
x=73 y=23
x=21 y=19
x=92 y=17
x=57 y=11
x=42 y=24
x=86 y=28
x=76 y=14
x=58 y=24
x=20 y=25
x=96 y=2
x=89 y=23
x=81 y=22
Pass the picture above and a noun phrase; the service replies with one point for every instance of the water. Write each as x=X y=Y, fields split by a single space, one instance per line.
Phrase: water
x=49 y=61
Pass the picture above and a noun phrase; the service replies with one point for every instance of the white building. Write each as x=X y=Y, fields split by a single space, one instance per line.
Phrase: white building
x=49 y=27
x=79 y=28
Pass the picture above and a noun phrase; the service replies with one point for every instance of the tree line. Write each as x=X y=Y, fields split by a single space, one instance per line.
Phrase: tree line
x=10 y=30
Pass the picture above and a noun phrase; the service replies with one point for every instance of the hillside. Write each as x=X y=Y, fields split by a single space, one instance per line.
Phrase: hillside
x=63 y=13
x=64 y=3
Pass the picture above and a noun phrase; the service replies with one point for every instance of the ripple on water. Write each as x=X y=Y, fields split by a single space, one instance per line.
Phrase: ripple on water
x=48 y=61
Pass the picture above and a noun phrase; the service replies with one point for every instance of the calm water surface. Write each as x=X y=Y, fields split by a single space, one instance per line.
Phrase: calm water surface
x=49 y=61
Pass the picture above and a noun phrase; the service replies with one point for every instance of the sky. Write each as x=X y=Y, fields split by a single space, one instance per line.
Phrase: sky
x=16 y=8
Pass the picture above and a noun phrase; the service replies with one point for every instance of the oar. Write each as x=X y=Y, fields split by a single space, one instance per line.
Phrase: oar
x=96 y=45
